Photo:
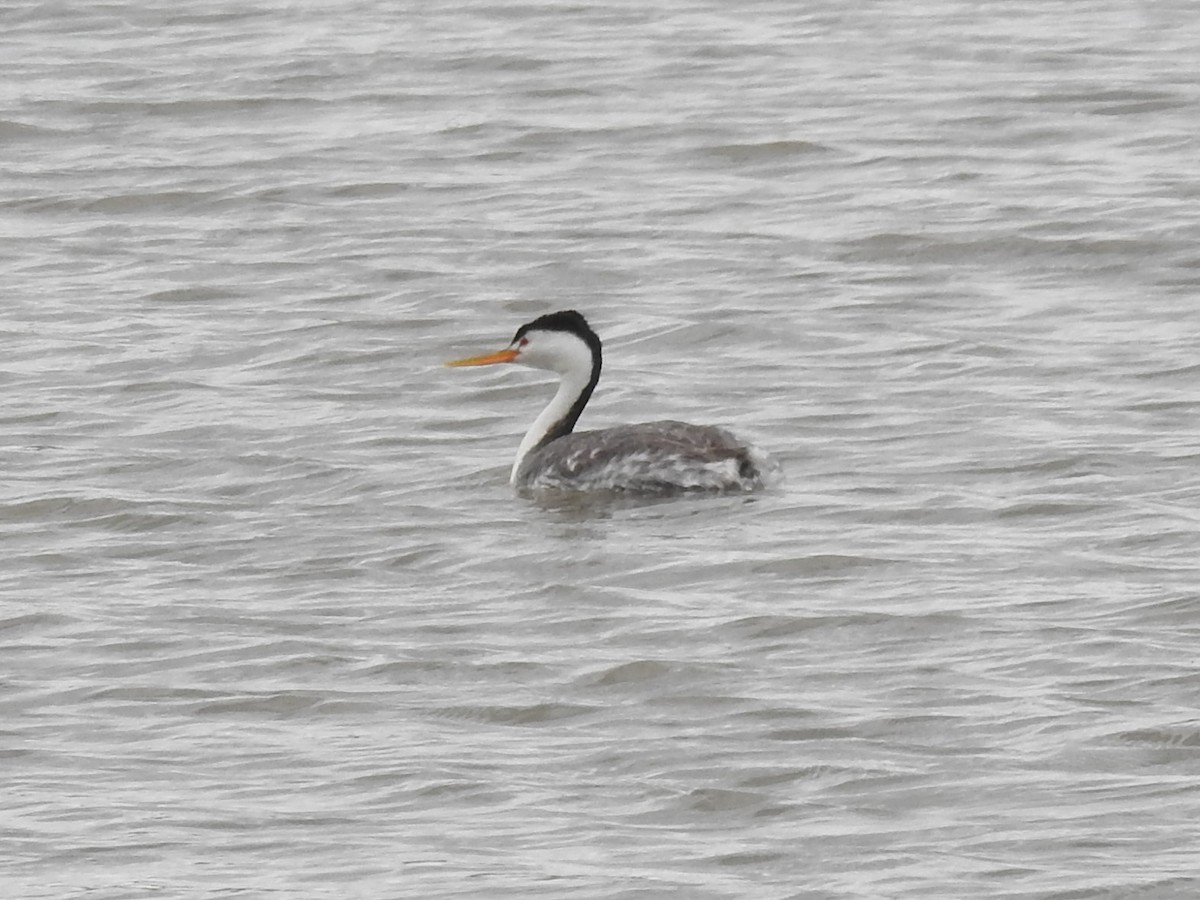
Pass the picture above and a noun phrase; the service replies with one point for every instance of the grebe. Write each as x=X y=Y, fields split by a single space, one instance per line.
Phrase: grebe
x=651 y=458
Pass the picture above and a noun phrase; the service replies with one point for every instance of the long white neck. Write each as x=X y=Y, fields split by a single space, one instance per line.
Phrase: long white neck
x=570 y=387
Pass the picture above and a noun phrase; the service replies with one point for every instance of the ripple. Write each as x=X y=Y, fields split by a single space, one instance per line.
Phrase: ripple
x=270 y=602
x=535 y=714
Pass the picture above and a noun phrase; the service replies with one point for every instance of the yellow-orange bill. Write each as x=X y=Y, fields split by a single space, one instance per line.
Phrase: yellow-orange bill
x=486 y=360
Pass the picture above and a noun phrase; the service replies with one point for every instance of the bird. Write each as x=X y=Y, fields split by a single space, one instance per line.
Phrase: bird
x=651 y=458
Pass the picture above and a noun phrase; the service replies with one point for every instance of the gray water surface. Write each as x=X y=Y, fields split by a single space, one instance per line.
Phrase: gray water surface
x=272 y=622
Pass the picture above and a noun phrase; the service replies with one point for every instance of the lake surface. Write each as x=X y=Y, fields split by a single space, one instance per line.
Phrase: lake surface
x=272 y=622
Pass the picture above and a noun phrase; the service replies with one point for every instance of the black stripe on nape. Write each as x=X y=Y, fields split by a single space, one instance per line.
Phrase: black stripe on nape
x=570 y=321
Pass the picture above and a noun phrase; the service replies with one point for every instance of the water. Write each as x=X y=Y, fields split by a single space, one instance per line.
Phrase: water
x=271 y=620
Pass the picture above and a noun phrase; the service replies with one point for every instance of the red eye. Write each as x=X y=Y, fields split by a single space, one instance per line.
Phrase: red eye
x=522 y=342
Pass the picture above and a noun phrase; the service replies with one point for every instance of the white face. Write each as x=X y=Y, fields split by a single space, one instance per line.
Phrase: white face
x=557 y=351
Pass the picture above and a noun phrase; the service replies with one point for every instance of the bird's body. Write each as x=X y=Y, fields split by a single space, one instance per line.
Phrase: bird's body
x=648 y=458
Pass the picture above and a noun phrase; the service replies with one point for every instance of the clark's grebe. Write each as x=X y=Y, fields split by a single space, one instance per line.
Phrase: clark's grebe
x=652 y=458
